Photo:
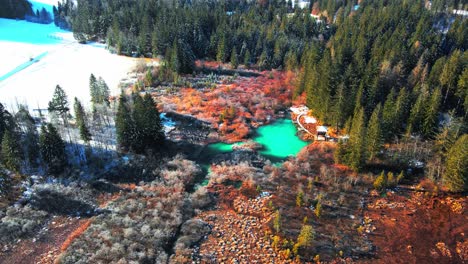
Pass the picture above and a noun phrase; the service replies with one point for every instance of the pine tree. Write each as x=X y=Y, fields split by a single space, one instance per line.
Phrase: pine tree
x=374 y=133
x=174 y=64
x=147 y=132
x=456 y=172
x=341 y=153
x=59 y=103
x=318 y=209
x=11 y=151
x=52 y=149
x=234 y=61
x=388 y=116
x=300 y=198
x=338 y=108
x=154 y=134
x=380 y=183
x=357 y=142
x=221 y=50
x=80 y=117
x=277 y=221
x=264 y=61
x=139 y=131
x=449 y=76
x=415 y=118
x=123 y=124
x=99 y=91
x=103 y=92
x=148 y=81
x=247 y=58
x=186 y=58
x=462 y=92
x=431 y=113
x=401 y=111
x=291 y=60
x=154 y=43
x=30 y=138
x=305 y=238
x=6 y=120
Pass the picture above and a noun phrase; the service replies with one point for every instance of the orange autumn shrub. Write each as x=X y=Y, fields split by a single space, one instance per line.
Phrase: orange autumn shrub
x=80 y=230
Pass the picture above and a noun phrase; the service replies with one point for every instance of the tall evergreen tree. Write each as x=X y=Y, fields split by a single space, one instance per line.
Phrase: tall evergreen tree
x=234 y=60
x=357 y=141
x=462 y=92
x=374 y=133
x=415 y=118
x=388 y=116
x=401 y=112
x=123 y=124
x=59 y=104
x=104 y=91
x=80 y=117
x=154 y=128
x=247 y=58
x=148 y=128
x=450 y=74
x=93 y=89
x=11 y=151
x=154 y=44
x=339 y=107
x=139 y=132
x=456 y=172
x=6 y=120
x=30 y=139
x=174 y=63
x=221 y=52
x=431 y=113
x=52 y=149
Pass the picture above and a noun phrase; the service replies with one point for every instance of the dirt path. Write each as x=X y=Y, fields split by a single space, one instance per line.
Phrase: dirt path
x=44 y=247
x=298 y=120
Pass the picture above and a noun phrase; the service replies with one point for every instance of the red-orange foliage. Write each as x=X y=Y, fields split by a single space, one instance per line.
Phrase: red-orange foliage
x=80 y=230
x=237 y=106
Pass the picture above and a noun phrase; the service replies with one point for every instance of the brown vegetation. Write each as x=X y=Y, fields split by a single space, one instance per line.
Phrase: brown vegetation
x=417 y=227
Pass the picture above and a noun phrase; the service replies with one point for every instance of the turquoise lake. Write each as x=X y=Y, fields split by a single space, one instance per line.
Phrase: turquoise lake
x=279 y=140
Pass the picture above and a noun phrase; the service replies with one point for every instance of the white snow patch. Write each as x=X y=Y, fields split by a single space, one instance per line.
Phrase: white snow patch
x=66 y=63
x=310 y=120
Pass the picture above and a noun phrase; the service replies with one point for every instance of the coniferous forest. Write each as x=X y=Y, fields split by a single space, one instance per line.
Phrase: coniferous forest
x=398 y=61
x=136 y=175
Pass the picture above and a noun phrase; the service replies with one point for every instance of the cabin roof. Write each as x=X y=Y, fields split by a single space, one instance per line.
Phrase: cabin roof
x=322 y=129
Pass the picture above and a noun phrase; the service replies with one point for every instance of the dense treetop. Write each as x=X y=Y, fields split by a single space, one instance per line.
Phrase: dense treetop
x=15 y=9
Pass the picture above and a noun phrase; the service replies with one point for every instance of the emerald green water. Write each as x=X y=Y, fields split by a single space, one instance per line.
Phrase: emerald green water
x=278 y=139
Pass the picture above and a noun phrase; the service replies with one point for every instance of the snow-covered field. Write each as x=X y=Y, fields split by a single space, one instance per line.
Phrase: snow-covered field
x=62 y=61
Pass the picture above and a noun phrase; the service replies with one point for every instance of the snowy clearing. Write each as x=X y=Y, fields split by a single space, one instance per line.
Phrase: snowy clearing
x=65 y=62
